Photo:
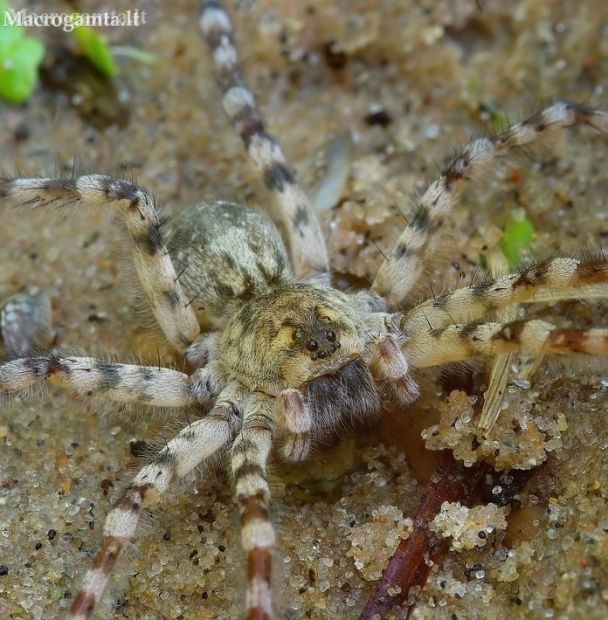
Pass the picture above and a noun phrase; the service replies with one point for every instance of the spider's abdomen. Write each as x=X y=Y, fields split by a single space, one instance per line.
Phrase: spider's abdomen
x=225 y=255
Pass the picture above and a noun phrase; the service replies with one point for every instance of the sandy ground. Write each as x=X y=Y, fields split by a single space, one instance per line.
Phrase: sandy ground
x=442 y=72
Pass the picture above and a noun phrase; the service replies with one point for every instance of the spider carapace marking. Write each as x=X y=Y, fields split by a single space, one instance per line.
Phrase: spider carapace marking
x=282 y=358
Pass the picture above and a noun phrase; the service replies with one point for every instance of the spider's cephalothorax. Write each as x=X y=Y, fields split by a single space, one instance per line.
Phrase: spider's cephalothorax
x=281 y=357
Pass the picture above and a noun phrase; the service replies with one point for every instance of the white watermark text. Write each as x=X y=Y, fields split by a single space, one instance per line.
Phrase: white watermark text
x=69 y=21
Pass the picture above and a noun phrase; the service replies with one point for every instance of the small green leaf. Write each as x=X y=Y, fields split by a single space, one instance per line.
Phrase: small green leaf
x=516 y=240
x=19 y=70
x=20 y=57
x=95 y=48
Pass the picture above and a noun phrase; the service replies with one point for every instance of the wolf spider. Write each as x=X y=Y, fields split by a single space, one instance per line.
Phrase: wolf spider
x=285 y=359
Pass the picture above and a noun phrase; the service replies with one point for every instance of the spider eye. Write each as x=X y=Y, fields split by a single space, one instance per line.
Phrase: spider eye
x=312 y=345
x=330 y=335
x=325 y=319
x=296 y=334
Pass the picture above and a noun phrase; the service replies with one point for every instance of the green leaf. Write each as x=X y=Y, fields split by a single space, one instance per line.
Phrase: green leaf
x=516 y=240
x=19 y=70
x=95 y=48
x=20 y=57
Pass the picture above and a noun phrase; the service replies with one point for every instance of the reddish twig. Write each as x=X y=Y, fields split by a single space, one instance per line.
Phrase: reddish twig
x=410 y=565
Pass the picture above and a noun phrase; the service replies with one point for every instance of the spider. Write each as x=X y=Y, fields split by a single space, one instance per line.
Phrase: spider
x=285 y=358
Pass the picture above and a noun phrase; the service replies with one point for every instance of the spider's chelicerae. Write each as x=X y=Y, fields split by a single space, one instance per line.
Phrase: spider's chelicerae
x=281 y=358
